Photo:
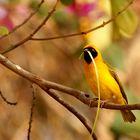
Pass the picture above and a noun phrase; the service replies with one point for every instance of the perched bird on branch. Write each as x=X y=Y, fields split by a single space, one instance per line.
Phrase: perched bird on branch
x=110 y=86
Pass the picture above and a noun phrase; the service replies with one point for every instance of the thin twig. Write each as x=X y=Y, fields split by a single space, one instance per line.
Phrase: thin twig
x=26 y=39
x=26 y=20
x=87 y=31
x=45 y=20
x=31 y=114
x=5 y=100
x=73 y=111
x=45 y=85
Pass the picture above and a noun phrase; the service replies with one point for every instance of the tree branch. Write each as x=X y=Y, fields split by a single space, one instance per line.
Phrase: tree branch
x=73 y=111
x=87 y=31
x=25 y=21
x=45 y=85
x=5 y=100
x=31 y=113
x=48 y=85
x=26 y=39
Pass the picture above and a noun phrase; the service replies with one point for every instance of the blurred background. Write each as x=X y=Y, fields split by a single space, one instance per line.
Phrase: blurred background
x=58 y=61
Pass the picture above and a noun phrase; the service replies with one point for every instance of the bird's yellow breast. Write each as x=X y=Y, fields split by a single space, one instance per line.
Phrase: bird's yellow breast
x=109 y=88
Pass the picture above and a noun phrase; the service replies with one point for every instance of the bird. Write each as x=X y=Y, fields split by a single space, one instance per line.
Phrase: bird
x=110 y=86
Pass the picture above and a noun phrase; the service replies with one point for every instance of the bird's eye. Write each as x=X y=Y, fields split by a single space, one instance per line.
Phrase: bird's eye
x=93 y=52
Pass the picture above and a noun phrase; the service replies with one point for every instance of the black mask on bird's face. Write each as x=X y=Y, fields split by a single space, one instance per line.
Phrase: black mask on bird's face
x=87 y=57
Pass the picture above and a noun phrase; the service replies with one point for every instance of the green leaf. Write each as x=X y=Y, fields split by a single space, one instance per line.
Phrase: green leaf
x=34 y=4
x=43 y=10
x=116 y=56
x=3 y=30
x=67 y=2
x=70 y=22
x=126 y=23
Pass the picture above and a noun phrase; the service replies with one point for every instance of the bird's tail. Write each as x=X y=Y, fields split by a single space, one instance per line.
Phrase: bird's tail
x=128 y=116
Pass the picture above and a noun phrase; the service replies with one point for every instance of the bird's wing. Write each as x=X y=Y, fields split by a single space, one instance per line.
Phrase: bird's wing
x=115 y=76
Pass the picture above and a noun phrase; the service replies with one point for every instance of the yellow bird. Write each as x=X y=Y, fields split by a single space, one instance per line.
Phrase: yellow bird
x=110 y=86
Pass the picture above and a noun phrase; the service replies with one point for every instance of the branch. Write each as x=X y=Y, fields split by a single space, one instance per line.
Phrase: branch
x=87 y=31
x=31 y=114
x=45 y=85
x=73 y=111
x=26 y=39
x=5 y=100
x=26 y=20
x=30 y=37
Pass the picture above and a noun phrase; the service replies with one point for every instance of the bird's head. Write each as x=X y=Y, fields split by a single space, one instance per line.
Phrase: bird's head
x=93 y=51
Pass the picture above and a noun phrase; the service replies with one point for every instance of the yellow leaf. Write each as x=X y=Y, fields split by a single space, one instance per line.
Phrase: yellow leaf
x=126 y=23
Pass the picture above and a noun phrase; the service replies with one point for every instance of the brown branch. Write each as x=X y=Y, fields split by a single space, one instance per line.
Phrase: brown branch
x=87 y=31
x=45 y=20
x=73 y=111
x=5 y=100
x=25 y=21
x=26 y=39
x=45 y=85
x=30 y=37
x=31 y=114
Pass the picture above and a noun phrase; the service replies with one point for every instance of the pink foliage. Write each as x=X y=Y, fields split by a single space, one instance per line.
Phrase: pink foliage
x=82 y=9
x=5 y=19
